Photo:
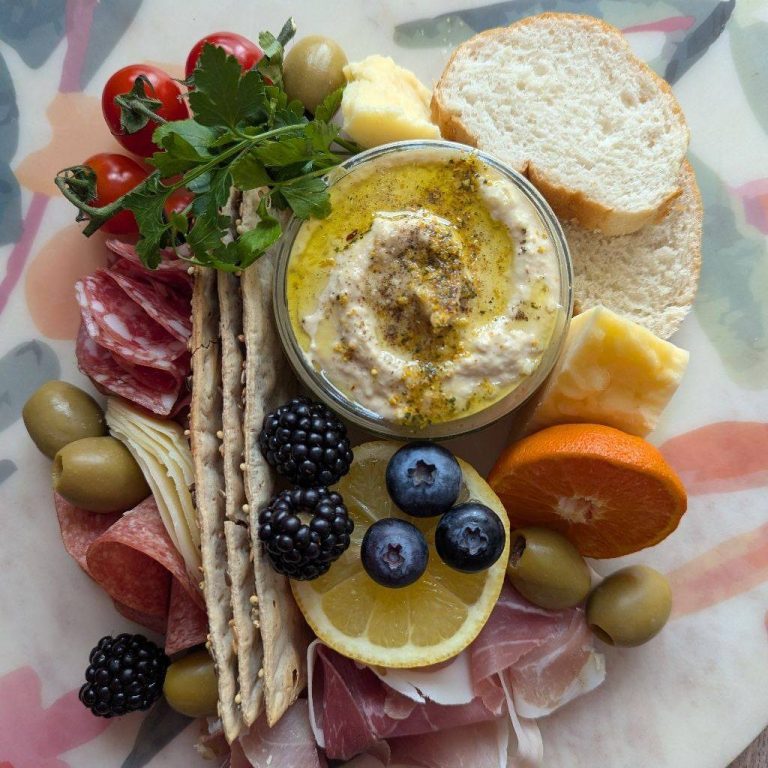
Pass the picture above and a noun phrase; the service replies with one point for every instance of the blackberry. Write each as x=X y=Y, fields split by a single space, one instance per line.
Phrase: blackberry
x=125 y=674
x=306 y=443
x=299 y=549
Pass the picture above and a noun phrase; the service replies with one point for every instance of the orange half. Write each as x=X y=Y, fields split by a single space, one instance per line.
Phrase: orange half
x=609 y=492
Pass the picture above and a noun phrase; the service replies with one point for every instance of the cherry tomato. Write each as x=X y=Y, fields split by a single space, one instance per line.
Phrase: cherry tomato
x=247 y=53
x=166 y=90
x=115 y=175
x=178 y=201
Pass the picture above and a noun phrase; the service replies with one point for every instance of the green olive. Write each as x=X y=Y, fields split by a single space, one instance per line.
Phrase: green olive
x=313 y=68
x=545 y=568
x=59 y=413
x=630 y=606
x=190 y=685
x=99 y=474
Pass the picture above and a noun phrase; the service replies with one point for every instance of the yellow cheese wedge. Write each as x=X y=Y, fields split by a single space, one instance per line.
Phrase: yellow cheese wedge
x=384 y=102
x=163 y=453
x=613 y=372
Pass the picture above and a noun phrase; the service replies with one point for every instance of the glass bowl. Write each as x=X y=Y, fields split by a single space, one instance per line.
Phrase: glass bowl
x=325 y=390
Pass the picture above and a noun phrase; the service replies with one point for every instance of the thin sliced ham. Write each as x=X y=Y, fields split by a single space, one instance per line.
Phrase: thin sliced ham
x=548 y=656
x=352 y=709
x=289 y=744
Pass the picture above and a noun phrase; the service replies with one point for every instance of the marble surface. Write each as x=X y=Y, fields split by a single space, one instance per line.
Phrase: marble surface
x=694 y=697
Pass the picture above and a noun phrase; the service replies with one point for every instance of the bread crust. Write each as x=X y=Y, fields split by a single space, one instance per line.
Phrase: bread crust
x=566 y=202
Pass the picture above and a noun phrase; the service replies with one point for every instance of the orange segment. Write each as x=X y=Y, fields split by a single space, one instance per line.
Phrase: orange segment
x=609 y=492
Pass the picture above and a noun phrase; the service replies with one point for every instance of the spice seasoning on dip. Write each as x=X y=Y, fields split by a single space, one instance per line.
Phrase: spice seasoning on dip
x=431 y=290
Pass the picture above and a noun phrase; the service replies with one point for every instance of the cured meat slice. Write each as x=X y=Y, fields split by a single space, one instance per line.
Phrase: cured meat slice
x=79 y=528
x=353 y=708
x=99 y=365
x=480 y=745
x=169 y=264
x=123 y=326
x=515 y=628
x=167 y=307
x=131 y=557
x=187 y=621
x=150 y=378
x=548 y=656
x=288 y=744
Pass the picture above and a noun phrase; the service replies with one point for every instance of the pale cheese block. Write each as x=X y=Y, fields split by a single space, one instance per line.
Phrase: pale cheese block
x=612 y=371
x=384 y=102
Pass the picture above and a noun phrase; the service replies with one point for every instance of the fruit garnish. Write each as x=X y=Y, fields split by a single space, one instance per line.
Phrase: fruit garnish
x=305 y=550
x=470 y=537
x=630 y=607
x=125 y=674
x=306 y=443
x=429 y=621
x=394 y=552
x=423 y=479
x=608 y=492
x=243 y=131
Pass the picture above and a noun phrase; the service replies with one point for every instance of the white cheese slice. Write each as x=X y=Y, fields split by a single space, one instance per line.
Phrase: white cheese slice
x=161 y=450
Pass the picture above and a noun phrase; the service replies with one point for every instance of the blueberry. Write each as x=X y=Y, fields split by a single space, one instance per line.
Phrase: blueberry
x=394 y=552
x=470 y=537
x=423 y=479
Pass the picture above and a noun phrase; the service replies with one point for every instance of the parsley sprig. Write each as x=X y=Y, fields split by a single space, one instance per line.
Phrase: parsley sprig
x=245 y=133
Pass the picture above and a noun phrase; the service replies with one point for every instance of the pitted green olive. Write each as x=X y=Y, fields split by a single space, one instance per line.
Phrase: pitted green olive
x=99 y=474
x=545 y=568
x=630 y=607
x=59 y=413
x=313 y=68
x=190 y=685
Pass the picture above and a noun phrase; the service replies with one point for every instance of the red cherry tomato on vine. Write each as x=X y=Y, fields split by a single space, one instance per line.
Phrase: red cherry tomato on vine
x=115 y=175
x=166 y=90
x=178 y=201
x=247 y=53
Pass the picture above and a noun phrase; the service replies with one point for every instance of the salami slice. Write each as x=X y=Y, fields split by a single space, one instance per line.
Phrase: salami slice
x=131 y=557
x=168 y=266
x=155 y=623
x=124 y=327
x=187 y=621
x=110 y=377
x=166 y=306
x=79 y=528
x=150 y=378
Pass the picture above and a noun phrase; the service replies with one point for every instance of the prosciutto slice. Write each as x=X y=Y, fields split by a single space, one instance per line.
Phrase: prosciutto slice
x=548 y=656
x=352 y=709
x=289 y=744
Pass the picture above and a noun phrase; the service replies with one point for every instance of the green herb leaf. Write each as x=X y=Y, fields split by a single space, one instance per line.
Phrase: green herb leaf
x=147 y=204
x=201 y=137
x=137 y=108
x=248 y=171
x=329 y=106
x=307 y=197
x=223 y=95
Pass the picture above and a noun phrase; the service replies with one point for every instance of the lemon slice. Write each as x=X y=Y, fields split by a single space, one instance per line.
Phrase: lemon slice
x=425 y=623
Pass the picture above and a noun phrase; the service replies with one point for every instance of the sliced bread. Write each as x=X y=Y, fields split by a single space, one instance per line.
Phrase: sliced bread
x=649 y=276
x=562 y=98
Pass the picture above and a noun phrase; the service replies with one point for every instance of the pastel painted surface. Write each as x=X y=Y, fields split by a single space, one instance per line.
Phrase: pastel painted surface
x=54 y=59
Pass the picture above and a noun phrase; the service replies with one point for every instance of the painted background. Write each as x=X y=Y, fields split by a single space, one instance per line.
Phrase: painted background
x=698 y=694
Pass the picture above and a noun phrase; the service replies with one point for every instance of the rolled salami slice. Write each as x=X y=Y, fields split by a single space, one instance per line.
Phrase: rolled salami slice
x=131 y=557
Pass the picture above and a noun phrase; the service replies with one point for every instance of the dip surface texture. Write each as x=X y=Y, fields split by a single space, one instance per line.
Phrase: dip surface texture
x=431 y=290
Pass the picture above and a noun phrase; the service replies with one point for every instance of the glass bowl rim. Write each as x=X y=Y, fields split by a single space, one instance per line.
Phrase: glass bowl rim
x=363 y=417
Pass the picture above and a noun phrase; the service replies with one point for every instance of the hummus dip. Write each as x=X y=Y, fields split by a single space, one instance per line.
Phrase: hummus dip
x=430 y=292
